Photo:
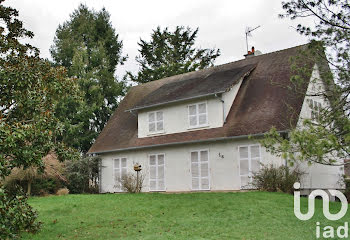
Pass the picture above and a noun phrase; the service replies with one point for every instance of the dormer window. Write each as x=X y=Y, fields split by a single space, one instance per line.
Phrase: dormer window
x=198 y=115
x=155 y=122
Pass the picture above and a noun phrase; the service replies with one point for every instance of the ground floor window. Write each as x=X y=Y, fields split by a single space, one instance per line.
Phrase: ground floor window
x=200 y=170
x=156 y=172
x=120 y=170
x=249 y=162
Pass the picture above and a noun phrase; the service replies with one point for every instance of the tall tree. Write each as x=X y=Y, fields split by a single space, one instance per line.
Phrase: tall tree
x=30 y=89
x=89 y=47
x=171 y=53
x=327 y=139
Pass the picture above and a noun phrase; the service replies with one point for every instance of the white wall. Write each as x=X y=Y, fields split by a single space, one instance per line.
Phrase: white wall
x=176 y=115
x=318 y=175
x=224 y=172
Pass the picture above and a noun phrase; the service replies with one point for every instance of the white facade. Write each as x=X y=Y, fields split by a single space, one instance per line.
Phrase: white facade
x=176 y=116
x=224 y=169
x=317 y=176
x=221 y=165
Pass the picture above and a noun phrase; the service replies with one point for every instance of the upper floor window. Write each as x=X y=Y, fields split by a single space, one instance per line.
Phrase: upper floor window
x=155 y=122
x=198 y=115
x=315 y=109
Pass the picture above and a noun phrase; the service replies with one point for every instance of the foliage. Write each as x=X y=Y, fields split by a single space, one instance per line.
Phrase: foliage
x=30 y=89
x=201 y=215
x=16 y=215
x=131 y=183
x=276 y=179
x=38 y=181
x=82 y=175
x=328 y=139
x=171 y=53
x=62 y=191
x=88 y=46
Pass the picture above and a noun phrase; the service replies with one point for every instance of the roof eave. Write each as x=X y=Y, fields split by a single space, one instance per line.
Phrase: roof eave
x=184 y=143
x=174 y=101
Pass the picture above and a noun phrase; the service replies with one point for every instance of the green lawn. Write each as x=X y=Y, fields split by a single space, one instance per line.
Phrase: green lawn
x=245 y=215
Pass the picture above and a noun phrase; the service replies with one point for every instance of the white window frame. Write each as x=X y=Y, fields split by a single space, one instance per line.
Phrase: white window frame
x=156 y=130
x=206 y=124
x=149 y=173
x=315 y=112
x=120 y=172
x=249 y=175
x=199 y=170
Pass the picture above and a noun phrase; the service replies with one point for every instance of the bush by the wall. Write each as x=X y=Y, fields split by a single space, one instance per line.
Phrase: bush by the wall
x=131 y=183
x=276 y=179
x=82 y=175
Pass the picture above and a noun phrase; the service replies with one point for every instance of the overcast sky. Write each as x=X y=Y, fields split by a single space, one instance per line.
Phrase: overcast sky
x=221 y=23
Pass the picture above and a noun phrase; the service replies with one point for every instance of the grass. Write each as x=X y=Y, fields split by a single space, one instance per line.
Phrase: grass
x=242 y=215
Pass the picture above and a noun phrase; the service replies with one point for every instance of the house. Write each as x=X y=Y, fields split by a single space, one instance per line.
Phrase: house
x=190 y=132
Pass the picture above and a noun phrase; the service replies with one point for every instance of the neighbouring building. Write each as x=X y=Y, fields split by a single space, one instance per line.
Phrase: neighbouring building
x=190 y=132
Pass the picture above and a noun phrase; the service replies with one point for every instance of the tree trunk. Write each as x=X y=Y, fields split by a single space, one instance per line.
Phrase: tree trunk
x=29 y=187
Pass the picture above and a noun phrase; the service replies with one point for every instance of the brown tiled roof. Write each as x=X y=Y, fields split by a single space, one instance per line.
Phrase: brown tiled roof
x=264 y=100
x=195 y=87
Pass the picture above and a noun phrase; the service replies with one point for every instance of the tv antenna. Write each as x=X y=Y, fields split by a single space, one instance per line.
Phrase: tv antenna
x=248 y=31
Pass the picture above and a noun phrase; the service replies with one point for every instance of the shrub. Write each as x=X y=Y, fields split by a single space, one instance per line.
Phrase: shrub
x=276 y=179
x=16 y=215
x=131 y=183
x=62 y=191
x=82 y=175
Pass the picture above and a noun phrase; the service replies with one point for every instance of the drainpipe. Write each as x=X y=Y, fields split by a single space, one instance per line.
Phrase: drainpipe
x=223 y=107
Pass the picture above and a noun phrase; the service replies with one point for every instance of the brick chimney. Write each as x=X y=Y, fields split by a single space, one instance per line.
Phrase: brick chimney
x=250 y=53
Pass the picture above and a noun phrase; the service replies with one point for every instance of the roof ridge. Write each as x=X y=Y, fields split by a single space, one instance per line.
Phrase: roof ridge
x=219 y=66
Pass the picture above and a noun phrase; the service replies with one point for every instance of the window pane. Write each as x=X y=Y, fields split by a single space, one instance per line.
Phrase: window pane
x=202 y=108
x=204 y=156
x=160 y=172
x=151 y=117
x=204 y=183
x=123 y=162
x=161 y=185
x=124 y=171
x=255 y=165
x=204 y=170
x=193 y=120
x=153 y=172
x=117 y=175
x=159 y=116
x=160 y=159
x=152 y=127
x=195 y=183
x=194 y=156
x=243 y=152
x=244 y=167
x=116 y=163
x=152 y=160
x=244 y=182
x=152 y=185
x=202 y=119
x=192 y=110
x=194 y=170
x=255 y=152
x=159 y=126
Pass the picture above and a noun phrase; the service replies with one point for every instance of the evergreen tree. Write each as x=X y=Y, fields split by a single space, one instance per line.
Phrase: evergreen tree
x=171 y=53
x=89 y=47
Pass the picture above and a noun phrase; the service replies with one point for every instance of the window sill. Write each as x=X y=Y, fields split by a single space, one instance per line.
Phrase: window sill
x=155 y=133
x=198 y=127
